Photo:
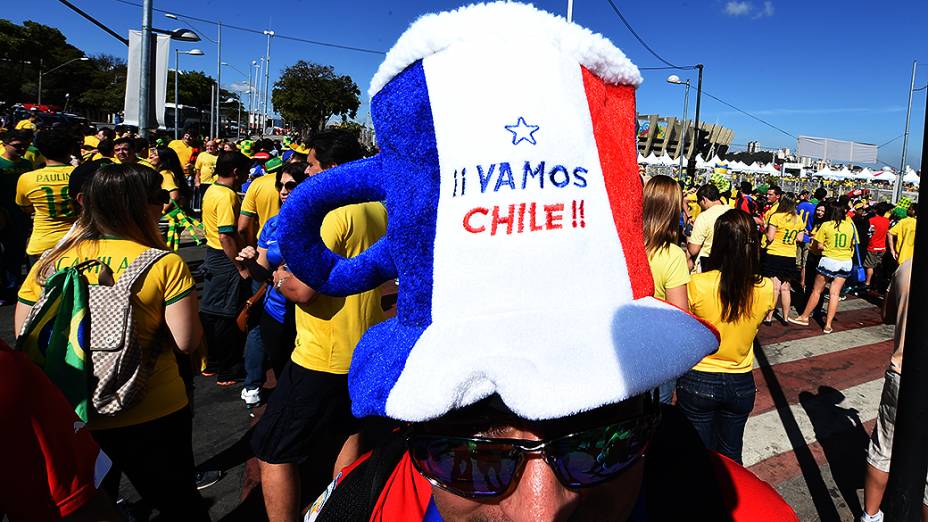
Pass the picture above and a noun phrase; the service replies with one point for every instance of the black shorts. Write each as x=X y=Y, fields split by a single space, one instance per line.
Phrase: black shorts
x=782 y=267
x=308 y=417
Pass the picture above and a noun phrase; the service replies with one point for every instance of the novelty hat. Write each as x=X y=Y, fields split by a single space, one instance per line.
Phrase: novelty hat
x=247 y=147
x=508 y=169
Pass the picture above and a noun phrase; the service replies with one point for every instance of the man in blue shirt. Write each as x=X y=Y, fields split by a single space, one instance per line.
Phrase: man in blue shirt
x=806 y=210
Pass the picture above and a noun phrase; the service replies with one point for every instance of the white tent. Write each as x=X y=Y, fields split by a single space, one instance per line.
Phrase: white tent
x=641 y=159
x=885 y=175
x=755 y=167
x=701 y=163
x=843 y=174
x=769 y=169
x=652 y=159
x=737 y=166
x=665 y=159
x=824 y=172
x=910 y=176
x=716 y=160
x=864 y=174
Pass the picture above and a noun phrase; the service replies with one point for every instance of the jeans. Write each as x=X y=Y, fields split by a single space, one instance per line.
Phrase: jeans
x=254 y=359
x=665 y=391
x=718 y=405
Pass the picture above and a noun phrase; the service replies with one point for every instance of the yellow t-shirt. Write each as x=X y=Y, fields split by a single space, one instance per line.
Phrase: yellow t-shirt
x=183 y=151
x=736 y=349
x=205 y=168
x=166 y=282
x=703 y=228
x=167 y=181
x=46 y=191
x=262 y=201
x=771 y=212
x=693 y=206
x=138 y=161
x=221 y=206
x=25 y=125
x=788 y=226
x=91 y=142
x=904 y=231
x=838 y=240
x=669 y=269
x=329 y=328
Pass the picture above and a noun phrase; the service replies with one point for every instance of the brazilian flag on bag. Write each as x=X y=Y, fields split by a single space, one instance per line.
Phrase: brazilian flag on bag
x=58 y=336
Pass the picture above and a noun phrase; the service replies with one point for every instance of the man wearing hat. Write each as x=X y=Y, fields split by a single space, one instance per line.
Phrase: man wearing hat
x=527 y=345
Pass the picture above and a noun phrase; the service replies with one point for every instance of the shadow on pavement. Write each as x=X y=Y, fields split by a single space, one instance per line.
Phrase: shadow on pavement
x=843 y=439
x=818 y=490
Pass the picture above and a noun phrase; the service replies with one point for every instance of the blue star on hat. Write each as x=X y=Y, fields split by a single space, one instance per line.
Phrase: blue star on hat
x=522 y=131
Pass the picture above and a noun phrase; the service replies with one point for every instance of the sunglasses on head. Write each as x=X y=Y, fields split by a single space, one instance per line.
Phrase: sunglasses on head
x=479 y=467
x=290 y=185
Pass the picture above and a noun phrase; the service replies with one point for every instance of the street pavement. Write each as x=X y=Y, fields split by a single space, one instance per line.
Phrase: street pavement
x=816 y=404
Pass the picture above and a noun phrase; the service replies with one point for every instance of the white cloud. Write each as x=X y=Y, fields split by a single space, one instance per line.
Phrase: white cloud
x=238 y=87
x=734 y=8
x=745 y=8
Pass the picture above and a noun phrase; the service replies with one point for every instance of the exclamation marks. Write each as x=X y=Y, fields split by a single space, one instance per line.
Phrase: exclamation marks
x=577 y=214
x=463 y=182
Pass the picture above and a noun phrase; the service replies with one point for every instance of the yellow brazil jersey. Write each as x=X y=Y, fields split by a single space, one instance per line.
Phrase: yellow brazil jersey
x=167 y=181
x=838 y=240
x=262 y=201
x=788 y=226
x=329 y=328
x=221 y=206
x=46 y=191
x=904 y=232
x=205 y=168
x=669 y=269
x=166 y=282
x=692 y=206
x=183 y=151
x=91 y=142
x=771 y=212
x=25 y=125
x=736 y=348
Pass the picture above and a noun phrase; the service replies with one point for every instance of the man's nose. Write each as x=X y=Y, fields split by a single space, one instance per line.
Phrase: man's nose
x=539 y=496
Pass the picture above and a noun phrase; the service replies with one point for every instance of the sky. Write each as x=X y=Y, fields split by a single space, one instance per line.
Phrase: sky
x=831 y=69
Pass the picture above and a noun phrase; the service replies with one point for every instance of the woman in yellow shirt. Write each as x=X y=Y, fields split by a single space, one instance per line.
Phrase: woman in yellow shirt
x=150 y=441
x=661 y=210
x=717 y=395
x=167 y=164
x=784 y=231
x=835 y=239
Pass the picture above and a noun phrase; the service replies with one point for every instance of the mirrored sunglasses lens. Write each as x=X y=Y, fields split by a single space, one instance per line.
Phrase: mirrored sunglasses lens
x=595 y=456
x=464 y=467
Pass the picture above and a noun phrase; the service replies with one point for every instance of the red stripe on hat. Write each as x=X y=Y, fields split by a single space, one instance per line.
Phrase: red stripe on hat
x=612 y=110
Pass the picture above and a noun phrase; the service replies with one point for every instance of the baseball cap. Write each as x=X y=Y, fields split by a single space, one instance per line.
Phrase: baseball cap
x=515 y=225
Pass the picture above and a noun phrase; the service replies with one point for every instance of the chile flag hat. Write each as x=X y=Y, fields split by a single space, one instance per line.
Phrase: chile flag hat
x=508 y=168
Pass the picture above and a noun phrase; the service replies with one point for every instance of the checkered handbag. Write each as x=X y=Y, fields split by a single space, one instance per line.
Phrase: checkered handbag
x=119 y=365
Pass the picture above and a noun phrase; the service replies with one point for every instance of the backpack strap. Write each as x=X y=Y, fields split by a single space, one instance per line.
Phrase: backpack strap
x=138 y=267
x=357 y=493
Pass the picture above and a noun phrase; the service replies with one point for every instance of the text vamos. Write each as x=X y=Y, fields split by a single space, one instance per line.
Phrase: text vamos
x=501 y=176
x=519 y=218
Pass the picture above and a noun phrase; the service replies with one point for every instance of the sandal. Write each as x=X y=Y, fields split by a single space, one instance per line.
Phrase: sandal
x=827 y=331
x=797 y=321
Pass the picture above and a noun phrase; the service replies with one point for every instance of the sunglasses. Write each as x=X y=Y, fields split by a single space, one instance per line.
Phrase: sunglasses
x=290 y=185
x=478 y=467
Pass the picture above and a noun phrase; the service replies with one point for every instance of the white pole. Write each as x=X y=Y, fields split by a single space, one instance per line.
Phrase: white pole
x=267 y=76
x=218 y=76
x=570 y=10
x=176 y=103
x=897 y=187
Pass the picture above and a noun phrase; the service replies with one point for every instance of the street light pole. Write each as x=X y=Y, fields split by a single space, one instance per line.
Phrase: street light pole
x=177 y=53
x=42 y=64
x=218 y=76
x=673 y=78
x=267 y=74
x=897 y=186
x=691 y=164
x=145 y=63
x=251 y=92
x=43 y=73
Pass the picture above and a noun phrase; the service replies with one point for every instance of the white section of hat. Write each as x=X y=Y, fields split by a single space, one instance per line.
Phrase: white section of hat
x=523 y=314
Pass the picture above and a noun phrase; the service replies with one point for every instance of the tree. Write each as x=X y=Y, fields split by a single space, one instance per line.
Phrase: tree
x=308 y=94
x=107 y=92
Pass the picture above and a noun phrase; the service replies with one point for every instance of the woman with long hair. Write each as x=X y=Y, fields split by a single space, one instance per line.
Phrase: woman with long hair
x=785 y=230
x=717 y=395
x=151 y=441
x=278 y=330
x=661 y=210
x=167 y=164
x=835 y=240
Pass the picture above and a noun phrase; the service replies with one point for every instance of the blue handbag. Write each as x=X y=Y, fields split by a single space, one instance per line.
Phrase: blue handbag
x=858 y=272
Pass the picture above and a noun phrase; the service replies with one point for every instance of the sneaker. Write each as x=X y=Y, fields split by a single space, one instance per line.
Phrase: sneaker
x=878 y=517
x=251 y=397
x=205 y=479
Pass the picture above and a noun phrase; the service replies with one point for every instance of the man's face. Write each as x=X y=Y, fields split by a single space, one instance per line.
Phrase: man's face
x=100 y=135
x=313 y=165
x=124 y=153
x=14 y=149
x=772 y=196
x=212 y=147
x=537 y=494
x=187 y=138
